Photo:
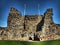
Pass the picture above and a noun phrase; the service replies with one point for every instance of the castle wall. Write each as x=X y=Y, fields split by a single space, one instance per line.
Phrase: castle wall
x=3 y=33
x=22 y=27
x=31 y=22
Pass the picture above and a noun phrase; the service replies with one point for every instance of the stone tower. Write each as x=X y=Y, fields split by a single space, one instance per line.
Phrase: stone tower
x=15 y=24
x=47 y=21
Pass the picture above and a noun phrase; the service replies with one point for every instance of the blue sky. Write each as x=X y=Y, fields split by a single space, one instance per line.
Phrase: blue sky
x=31 y=8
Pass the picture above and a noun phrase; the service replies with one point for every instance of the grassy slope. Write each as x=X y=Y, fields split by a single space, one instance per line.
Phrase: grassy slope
x=9 y=42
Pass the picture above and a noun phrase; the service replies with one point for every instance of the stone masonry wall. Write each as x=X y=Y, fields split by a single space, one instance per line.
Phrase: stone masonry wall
x=30 y=27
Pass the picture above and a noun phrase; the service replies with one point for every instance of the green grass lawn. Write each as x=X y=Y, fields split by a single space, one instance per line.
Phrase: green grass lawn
x=12 y=42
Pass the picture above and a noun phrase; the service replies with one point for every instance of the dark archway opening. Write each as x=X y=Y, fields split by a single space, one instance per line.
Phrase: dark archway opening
x=36 y=38
x=30 y=38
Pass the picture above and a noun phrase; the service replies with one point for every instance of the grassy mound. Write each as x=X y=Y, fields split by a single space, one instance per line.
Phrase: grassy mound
x=9 y=42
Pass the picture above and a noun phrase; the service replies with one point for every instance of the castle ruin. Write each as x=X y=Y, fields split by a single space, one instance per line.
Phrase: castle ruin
x=30 y=27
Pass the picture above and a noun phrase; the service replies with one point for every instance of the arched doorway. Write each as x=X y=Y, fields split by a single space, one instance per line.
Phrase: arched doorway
x=30 y=38
x=36 y=38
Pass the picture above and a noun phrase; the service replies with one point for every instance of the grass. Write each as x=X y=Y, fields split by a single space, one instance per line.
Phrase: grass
x=13 y=42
